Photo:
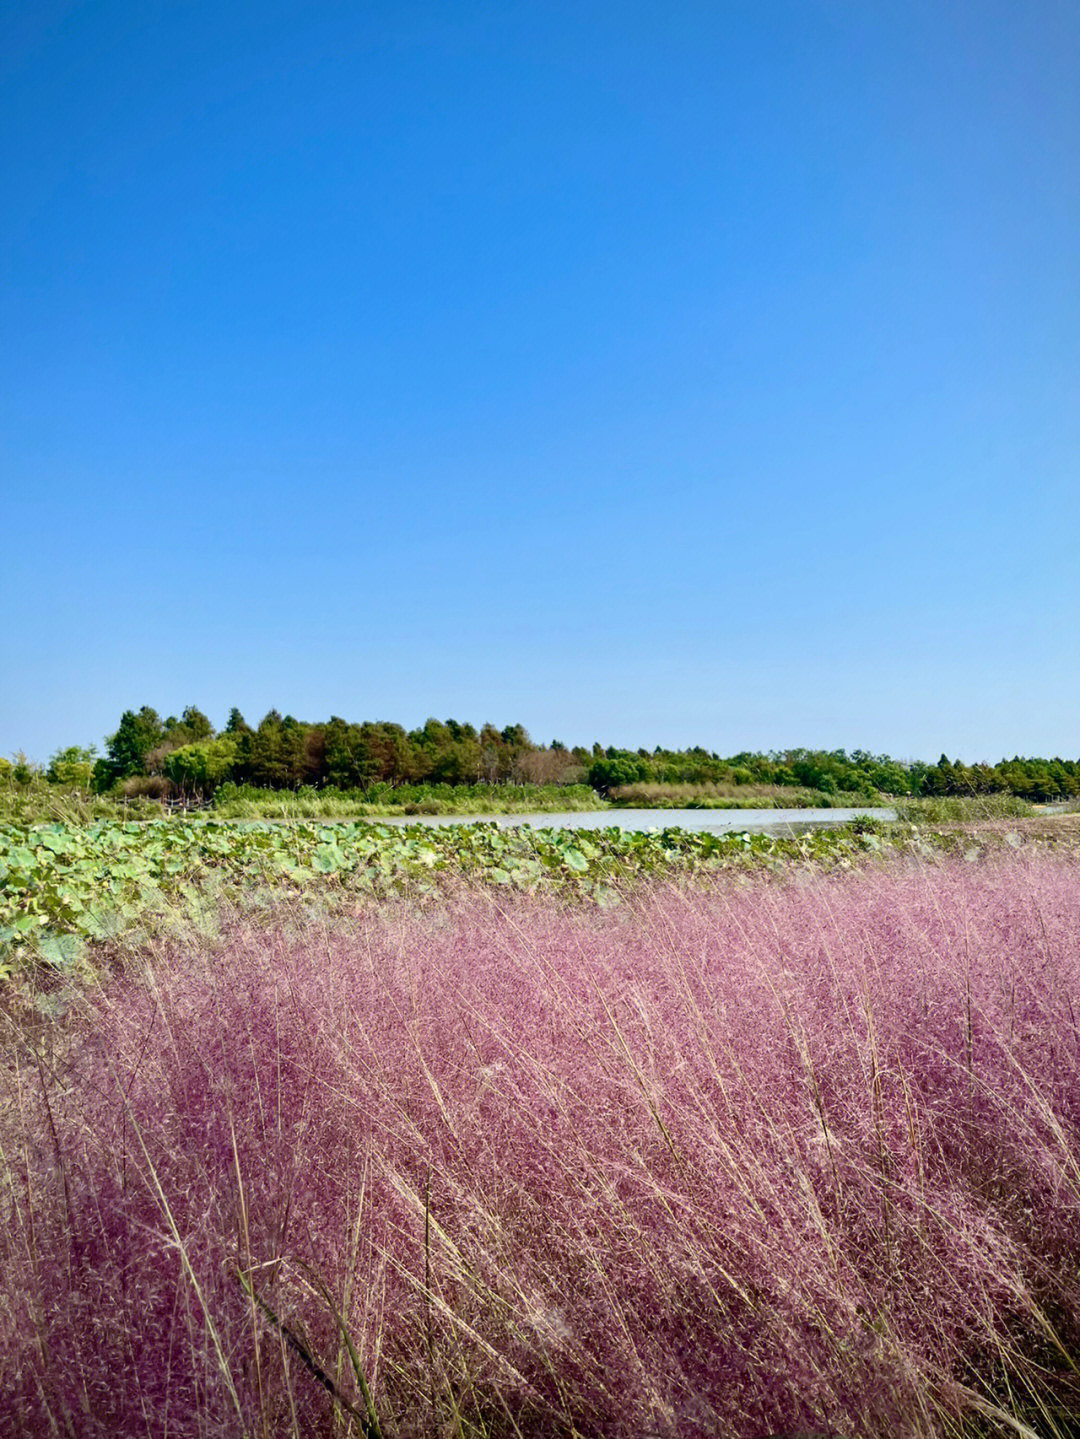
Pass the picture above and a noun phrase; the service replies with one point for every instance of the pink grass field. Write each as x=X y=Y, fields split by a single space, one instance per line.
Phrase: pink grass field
x=772 y=1158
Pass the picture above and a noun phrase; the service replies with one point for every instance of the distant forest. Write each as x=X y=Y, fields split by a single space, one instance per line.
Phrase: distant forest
x=147 y=753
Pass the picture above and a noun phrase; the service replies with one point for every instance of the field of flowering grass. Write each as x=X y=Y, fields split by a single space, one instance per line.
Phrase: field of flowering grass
x=763 y=1157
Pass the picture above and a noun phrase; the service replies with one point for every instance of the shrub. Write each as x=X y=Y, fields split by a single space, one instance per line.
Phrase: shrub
x=147 y=786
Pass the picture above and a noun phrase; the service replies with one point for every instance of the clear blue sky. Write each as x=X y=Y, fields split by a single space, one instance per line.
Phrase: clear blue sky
x=645 y=373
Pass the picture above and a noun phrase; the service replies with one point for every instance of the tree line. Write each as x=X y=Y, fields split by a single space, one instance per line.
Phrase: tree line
x=282 y=752
x=187 y=754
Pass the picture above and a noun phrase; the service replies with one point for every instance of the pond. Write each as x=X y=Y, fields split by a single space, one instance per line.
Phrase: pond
x=712 y=821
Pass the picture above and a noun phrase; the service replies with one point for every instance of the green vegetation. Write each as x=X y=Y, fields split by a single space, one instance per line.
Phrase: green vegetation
x=249 y=802
x=67 y=888
x=36 y=800
x=717 y=796
x=286 y=753
x=338 y=769
x=963 y=809
x=859 y=776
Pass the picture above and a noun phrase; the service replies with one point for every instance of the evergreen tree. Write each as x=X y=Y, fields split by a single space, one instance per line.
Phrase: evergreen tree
x=136 y=735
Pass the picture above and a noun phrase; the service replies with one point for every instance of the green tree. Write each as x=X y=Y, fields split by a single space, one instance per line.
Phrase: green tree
x=265 y=760
x=341 y=751
x=237 y=724
x=23 y=769
x=136 y=736
x=200 y=767
x=73 y=766
x=619 y=769
x=196 y=725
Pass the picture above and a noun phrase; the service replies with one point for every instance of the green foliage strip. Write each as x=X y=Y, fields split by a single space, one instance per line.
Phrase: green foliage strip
x=66 y=887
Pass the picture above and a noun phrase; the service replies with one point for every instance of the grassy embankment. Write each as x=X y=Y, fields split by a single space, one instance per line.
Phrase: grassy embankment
x=382 y=800
x=918 y=810
x=737 y=796
x=728 y=1159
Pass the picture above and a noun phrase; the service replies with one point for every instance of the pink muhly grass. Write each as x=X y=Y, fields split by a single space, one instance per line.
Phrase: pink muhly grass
x=765 y=1159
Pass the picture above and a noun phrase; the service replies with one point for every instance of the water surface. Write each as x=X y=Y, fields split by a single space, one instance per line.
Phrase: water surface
x=711 y=821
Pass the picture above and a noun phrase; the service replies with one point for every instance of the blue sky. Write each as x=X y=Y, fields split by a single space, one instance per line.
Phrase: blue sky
x=643 y=373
